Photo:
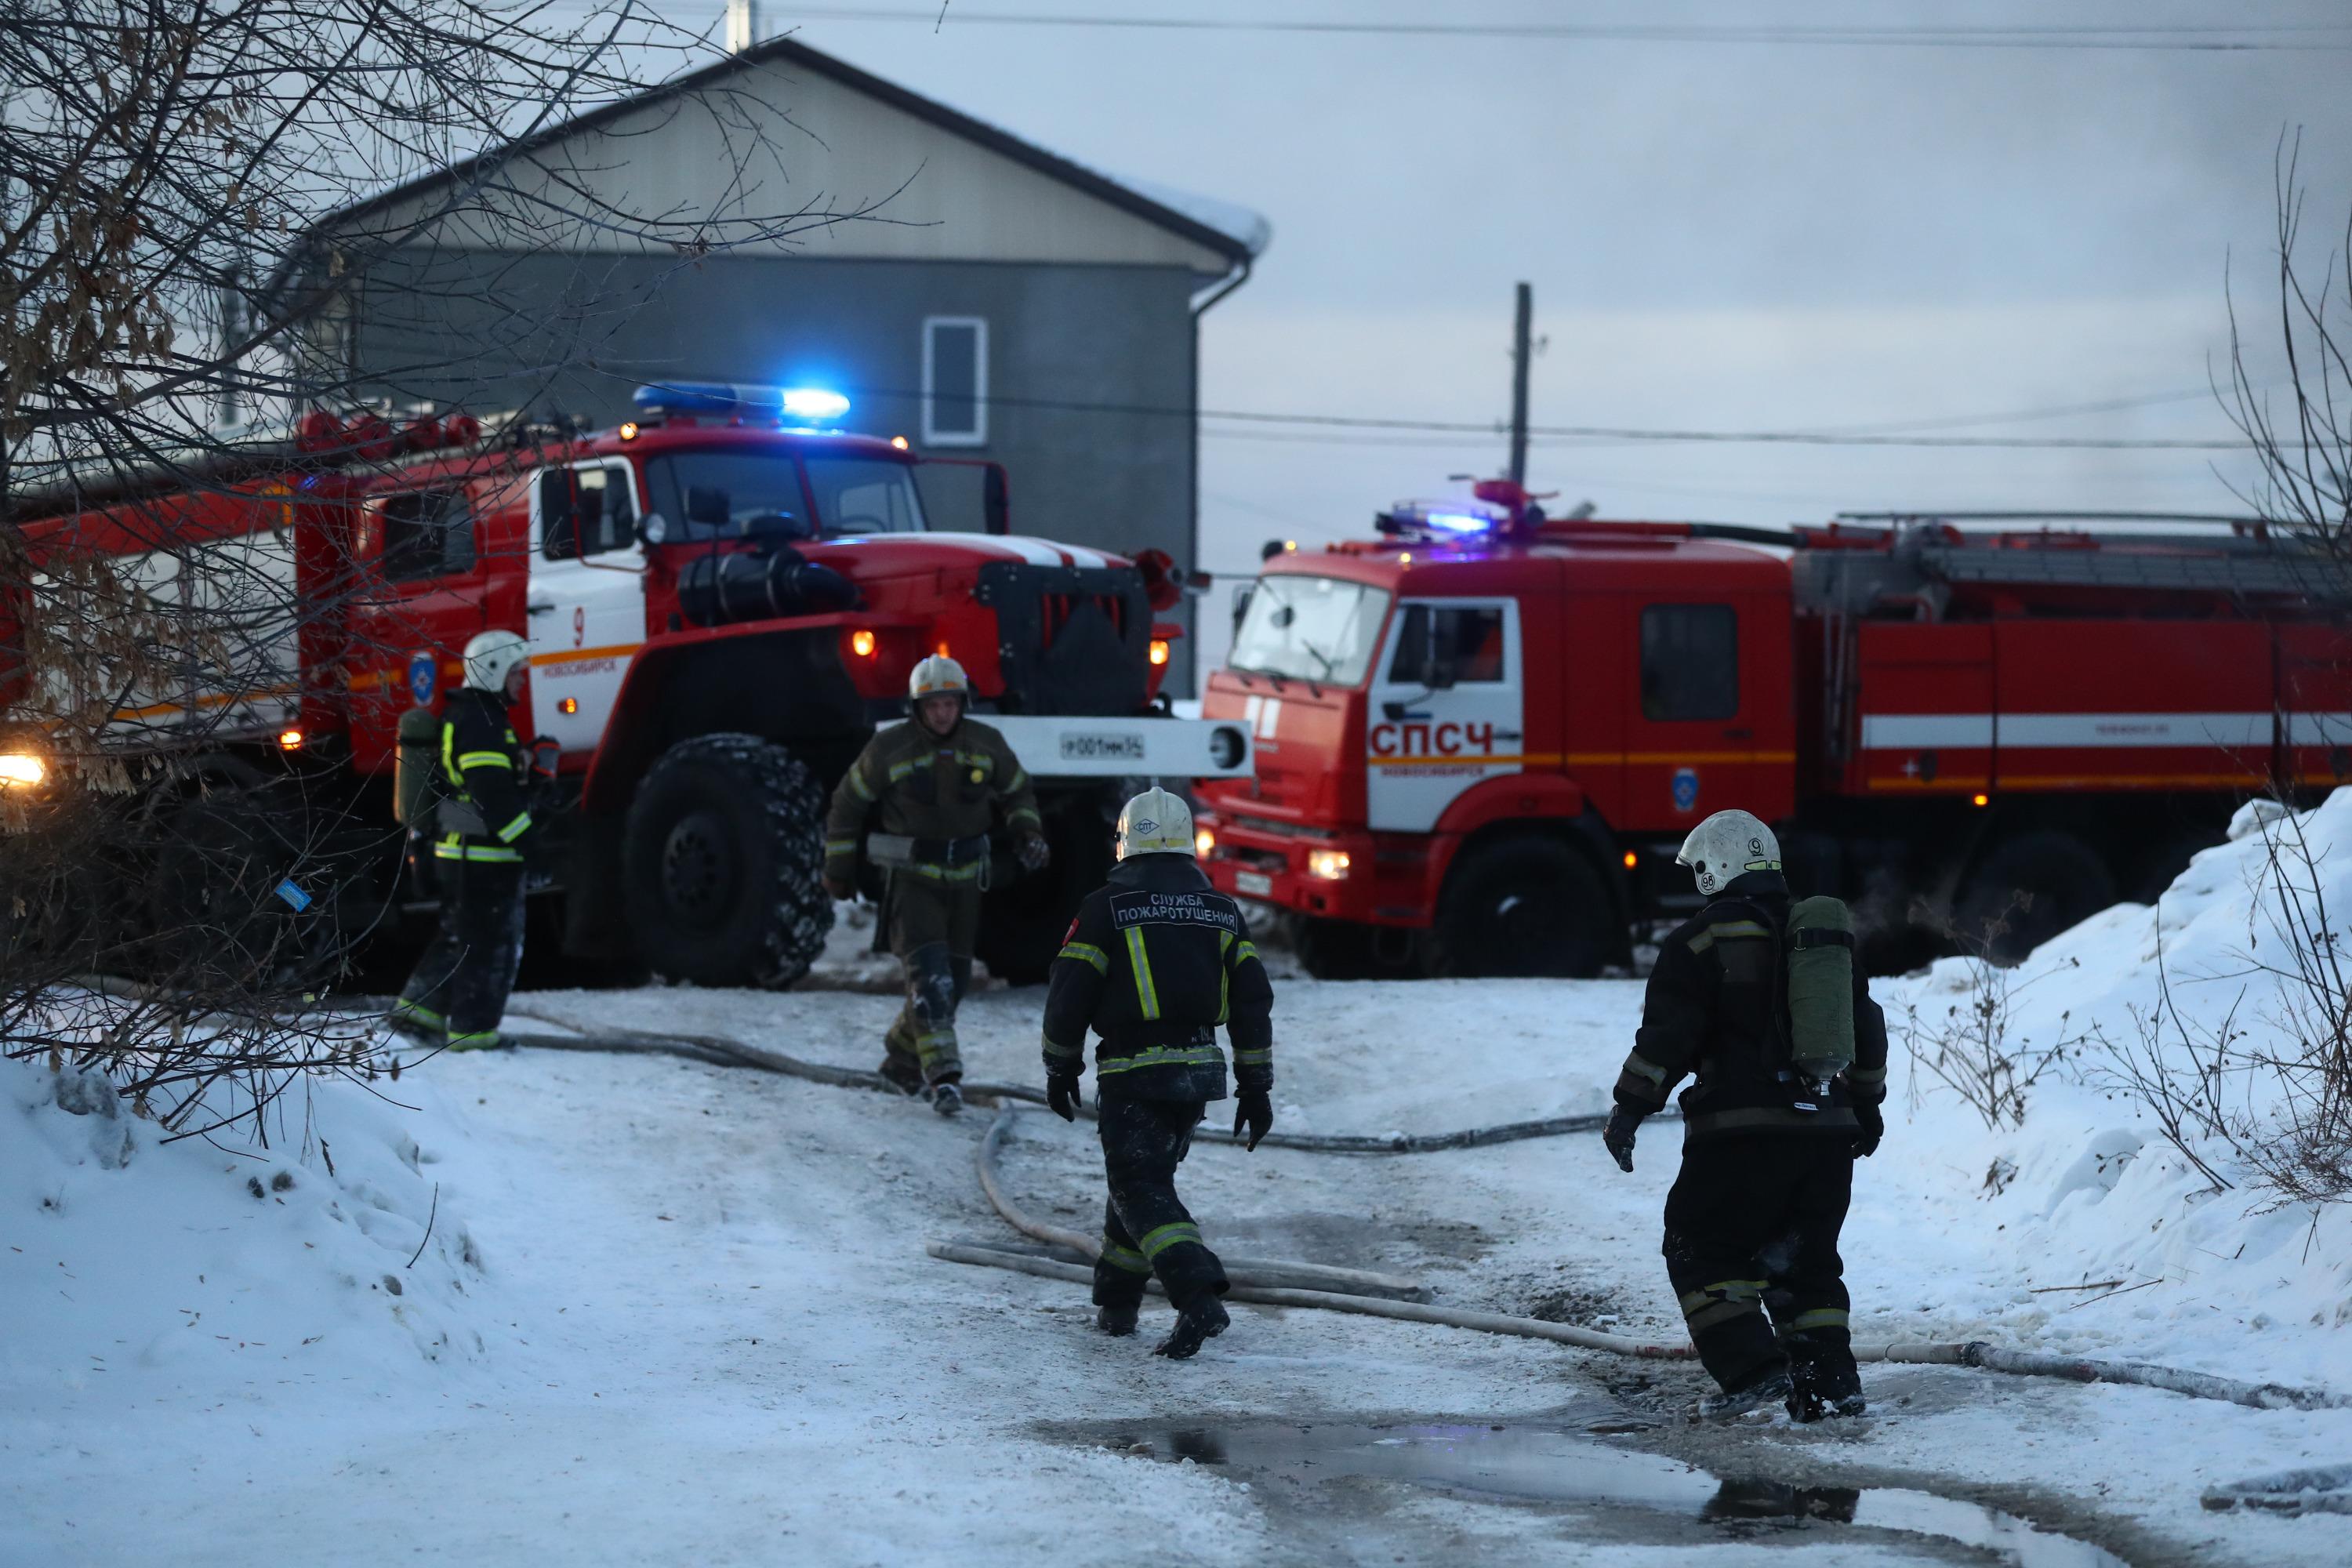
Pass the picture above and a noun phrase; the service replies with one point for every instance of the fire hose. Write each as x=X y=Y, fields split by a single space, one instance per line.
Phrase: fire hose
x=1288 y=1284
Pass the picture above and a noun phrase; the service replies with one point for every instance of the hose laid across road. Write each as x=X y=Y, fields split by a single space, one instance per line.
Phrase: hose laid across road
x=721 y=1050
x=1971 y=1353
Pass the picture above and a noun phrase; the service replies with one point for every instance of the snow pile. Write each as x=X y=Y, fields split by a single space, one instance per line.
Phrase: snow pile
x=2086 y=1227
x=161 y=1267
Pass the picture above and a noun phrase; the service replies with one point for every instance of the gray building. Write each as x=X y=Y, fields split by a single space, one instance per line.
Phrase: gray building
x=782 y=216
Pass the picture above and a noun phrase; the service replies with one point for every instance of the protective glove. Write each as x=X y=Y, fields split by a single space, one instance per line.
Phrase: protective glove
x=1618 y=1136
x=837 y=888
x=1253 y=1111
x=1032 y=853
x=1062 y=1097
x=1873 y=1128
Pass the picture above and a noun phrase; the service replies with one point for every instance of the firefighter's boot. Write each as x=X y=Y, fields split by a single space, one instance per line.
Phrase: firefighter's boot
x=415 y=1021
x=1200 y=1319
x=902 y=1074
x=946 y=1097
x=1117 y=1319
x=1770 y=1387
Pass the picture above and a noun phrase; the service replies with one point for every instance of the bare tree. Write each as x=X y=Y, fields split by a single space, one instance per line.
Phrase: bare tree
x=193 y=195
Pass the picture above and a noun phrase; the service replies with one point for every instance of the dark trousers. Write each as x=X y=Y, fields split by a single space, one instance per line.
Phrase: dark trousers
x=932 y=930
x=464 y=978
x=1752 y=1230
x=1146 y=1228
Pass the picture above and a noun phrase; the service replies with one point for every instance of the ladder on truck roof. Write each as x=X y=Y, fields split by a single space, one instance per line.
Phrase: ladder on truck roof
x=1923 y=556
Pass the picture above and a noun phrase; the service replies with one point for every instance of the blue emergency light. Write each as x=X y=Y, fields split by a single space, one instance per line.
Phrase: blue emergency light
x=1460 y=519
x=805 y=405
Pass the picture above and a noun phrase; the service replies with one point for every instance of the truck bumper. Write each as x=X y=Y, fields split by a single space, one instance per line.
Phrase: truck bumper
x=1383 y=882
x=1056 y=746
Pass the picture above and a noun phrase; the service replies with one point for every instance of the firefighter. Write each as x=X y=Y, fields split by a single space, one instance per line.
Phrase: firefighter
x=1752 y=1220
x=459 y=993
x=1155 y=961
x=935 y=783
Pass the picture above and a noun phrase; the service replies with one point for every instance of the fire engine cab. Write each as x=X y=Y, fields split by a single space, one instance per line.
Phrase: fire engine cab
x=1482 y=736
x=722 y=597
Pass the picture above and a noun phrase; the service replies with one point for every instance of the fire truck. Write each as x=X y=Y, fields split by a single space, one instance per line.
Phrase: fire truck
x=1482 y=736
x=722 y=597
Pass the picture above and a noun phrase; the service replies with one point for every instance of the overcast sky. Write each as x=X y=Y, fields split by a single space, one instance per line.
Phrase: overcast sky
x=1721 y=235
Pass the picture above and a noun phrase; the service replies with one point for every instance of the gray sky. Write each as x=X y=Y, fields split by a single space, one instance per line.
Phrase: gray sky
x=1727 y=236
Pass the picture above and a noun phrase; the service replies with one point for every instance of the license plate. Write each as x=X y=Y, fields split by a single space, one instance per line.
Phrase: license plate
x=1097 y=747
x=1257 y=884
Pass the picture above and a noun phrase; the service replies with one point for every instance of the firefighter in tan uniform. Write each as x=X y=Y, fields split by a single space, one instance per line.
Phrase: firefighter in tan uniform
x=930 y=790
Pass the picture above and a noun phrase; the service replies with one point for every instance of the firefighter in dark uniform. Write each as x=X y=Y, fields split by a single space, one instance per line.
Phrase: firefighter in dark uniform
x=936 y=782
x=459 y=992
x=1752 y=1220
x=1155 y=961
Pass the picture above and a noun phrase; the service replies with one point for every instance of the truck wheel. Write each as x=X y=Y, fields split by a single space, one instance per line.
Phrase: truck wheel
x=1523 y=906
x=1026 y=914
x=1333 y=950
x=2034 y=886
x=722 y=861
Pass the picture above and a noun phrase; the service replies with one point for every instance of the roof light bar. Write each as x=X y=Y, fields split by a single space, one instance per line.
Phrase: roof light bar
x=809 y=405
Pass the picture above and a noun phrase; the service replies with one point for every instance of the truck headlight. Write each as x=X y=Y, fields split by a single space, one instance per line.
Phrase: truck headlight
x=1330 y=865
x=22 y=768
x=1205 y=842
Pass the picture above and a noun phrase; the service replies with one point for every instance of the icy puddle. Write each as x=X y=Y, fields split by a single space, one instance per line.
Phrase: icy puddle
x=1286 y=1463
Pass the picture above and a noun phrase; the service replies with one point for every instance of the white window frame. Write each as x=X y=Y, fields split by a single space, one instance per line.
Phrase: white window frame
x=977 y=435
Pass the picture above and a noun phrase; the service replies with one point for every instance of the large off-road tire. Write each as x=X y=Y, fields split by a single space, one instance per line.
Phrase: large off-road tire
x=1026 y=914
x=2029 y=889
x=1525 y=905
x=722 y=862
x=1333 y=949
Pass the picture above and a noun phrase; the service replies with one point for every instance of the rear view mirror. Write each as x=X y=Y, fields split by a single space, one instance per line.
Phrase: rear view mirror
x=652 y=529
x=709 y=506
x=995 y=500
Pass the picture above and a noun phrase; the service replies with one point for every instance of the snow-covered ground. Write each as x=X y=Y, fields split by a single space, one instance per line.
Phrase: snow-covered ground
x=668 y=1312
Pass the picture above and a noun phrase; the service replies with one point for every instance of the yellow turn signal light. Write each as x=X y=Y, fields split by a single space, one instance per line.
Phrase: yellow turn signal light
x=289 y=739
x=22 y=768
x=1158 y=650
x=568 y=706
x=899 y=442
x=1631 y=860
x=1982 y=799
x=861 y=642
x=629 y=431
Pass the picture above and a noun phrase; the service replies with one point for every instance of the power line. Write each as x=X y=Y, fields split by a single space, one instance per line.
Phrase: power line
x=2217 y=38
x=1268 y=424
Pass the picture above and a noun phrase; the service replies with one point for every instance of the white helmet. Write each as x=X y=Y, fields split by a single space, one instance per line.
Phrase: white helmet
x=1728 y=845
x=938 y=676
x=1155 y=823
x=491 y=656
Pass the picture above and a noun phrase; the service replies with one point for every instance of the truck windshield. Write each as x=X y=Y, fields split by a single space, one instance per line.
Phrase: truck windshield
x=695 y=490
x=1310 y=628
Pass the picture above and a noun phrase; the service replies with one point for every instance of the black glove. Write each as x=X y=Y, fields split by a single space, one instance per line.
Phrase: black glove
x=1034 y=853
x=1618 y=1136
x=1253 y=1111
x=1873 y=1128
x=1062 y=1097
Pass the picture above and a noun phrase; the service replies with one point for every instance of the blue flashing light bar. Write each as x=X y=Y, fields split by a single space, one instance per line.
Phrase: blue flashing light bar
x=807 y=406
x=1462 y=519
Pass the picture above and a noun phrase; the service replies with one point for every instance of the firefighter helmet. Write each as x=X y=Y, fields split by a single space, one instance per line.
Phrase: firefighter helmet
x=938 y=676
x=1728 y=845
x=491 y=656
x=1155 y=823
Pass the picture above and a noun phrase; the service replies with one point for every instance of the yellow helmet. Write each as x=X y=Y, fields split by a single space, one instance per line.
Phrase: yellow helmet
x=1155 y=823
x=938 y=676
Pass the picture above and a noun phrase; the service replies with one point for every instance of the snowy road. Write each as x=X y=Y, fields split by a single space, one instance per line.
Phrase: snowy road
x=702 y=1329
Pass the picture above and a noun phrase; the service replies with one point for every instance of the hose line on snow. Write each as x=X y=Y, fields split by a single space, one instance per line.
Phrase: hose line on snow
x=1970 y=1354
x=1272 y=1283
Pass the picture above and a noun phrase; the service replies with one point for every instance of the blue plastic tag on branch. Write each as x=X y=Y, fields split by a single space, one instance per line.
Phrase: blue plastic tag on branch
x=295 y=897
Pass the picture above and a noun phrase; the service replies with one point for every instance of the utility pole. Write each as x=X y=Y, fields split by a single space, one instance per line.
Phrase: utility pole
x=1520 y=356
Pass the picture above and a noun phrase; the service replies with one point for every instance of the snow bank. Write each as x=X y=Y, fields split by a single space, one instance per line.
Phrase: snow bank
x=2087 y=1192
x=166 y=1267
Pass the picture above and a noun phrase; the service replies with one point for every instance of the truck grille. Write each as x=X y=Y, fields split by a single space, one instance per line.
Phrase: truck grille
x=1070 y=639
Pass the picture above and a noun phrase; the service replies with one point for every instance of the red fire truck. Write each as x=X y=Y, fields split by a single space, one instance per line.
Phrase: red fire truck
x=1482 y=736
x=723 y=599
